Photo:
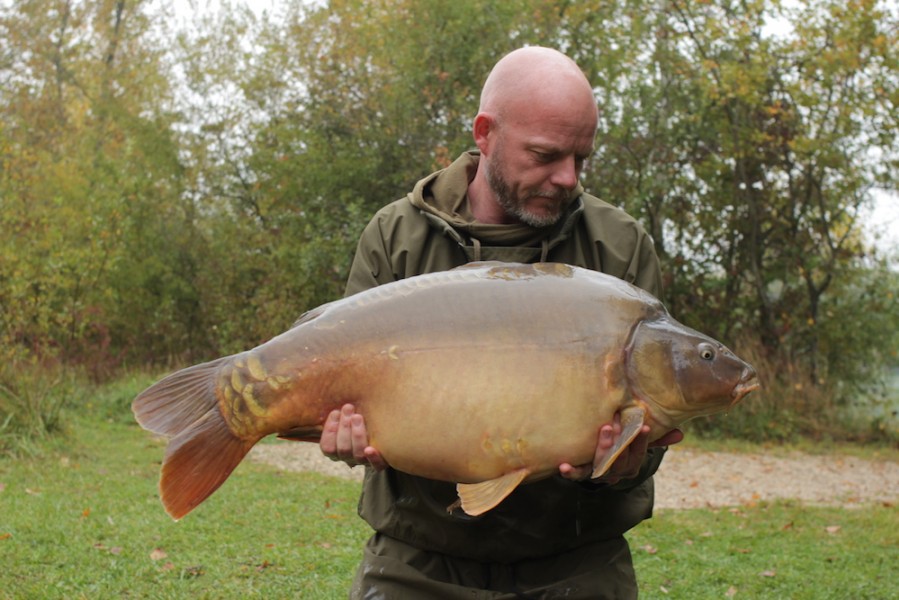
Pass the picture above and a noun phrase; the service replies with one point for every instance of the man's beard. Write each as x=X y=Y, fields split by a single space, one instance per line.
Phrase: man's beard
x=515 y=207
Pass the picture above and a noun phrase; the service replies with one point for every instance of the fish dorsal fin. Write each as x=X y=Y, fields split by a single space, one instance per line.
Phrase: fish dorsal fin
x=478 y=498
x=311 y=314
x=631 y=423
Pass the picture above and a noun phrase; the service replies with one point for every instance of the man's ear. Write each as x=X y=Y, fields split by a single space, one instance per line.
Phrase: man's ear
x=484 y=132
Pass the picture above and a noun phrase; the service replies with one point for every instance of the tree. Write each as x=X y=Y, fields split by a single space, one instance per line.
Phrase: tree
x=86 y=160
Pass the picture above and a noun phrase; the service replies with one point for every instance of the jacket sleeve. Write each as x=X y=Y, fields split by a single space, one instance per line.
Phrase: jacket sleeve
x=371 y=264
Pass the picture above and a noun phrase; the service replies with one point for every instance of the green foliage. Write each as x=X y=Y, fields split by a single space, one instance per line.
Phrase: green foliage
x=169 y=193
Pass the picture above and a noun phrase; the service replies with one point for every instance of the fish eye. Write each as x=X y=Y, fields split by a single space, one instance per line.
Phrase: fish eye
x=706 y=352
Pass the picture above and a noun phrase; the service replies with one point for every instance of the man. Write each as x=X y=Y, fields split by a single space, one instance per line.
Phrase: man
x=518 y=200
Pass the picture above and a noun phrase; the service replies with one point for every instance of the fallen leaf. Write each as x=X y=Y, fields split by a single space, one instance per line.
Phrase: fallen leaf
x=649 y=549
x=168 y=566
x=787 y=527
x=265 y=564
x=769 y=573
x=85 y=513
x=5 y=536
x=663 y=589
x=325 y=545
x=694 y=484
x=731 y=592
x=743 y=550
x=157 y=554
x=832 y=529
x=32 y=492
x=2 y=486
x=194 y=571
x=115 y=550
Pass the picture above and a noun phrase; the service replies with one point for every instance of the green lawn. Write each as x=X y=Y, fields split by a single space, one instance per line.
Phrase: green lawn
x=83 y=521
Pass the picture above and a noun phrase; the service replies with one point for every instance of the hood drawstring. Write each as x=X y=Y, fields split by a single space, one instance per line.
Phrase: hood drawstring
x=477 y=249
x=544 y=251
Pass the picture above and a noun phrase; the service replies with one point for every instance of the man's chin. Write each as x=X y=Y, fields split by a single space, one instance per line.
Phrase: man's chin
x=547 y=212
x=539 y=218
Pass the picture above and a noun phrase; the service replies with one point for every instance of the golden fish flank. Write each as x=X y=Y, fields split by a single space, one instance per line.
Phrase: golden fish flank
x=488 y=376
x=243 y=385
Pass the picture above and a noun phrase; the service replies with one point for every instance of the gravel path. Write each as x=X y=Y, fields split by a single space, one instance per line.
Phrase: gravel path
x=692 y=479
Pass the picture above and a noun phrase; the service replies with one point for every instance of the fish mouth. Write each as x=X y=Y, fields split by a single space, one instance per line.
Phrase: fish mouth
x=748 y=383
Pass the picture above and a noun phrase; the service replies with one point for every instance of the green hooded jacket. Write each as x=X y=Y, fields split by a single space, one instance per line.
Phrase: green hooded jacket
x=431 y=230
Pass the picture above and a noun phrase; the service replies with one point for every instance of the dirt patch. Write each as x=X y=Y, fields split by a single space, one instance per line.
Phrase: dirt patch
x=692 y=479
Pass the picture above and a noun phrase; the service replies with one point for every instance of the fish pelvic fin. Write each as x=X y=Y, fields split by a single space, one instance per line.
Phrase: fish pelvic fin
x=174 y=403
x=199 y=460
x=478 y=498
x=303 y=434
x=632 y=419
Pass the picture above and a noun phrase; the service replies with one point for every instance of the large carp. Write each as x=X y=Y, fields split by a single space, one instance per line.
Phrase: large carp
x=488 y=376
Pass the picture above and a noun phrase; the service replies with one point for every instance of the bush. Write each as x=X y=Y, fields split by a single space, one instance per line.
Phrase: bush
x=32 y=399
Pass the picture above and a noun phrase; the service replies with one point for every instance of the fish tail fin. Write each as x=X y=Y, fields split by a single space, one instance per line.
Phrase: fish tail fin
x=203 y=450
x=198 y=461
x=174 y=403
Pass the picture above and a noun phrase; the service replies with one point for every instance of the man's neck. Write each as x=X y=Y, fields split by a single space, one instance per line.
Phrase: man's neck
x=483 y=204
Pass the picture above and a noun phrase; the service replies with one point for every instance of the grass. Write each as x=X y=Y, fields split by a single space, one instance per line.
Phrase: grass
x=82 y=520
x=781 y=550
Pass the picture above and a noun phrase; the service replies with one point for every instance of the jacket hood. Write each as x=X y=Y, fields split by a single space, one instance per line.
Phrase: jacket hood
x=442 y=198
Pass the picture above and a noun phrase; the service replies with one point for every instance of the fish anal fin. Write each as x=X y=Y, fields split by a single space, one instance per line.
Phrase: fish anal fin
x=199 y=460
x=632 y=419
x=303 y=434
x=478 y=498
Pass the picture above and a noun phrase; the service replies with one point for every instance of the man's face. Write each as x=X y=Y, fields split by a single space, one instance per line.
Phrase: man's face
x=535 y=164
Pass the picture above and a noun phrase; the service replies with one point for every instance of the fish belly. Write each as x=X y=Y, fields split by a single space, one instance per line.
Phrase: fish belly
x=458 y=415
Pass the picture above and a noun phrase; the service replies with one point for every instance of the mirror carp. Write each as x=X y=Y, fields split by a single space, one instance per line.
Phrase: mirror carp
x=488 y=376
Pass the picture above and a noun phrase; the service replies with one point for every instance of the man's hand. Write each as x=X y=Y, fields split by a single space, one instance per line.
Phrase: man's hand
x=344 y=438
x=627 y=466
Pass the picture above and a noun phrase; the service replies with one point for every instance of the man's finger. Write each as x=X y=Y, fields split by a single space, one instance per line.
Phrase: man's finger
x=328 y=442
x=674 y=436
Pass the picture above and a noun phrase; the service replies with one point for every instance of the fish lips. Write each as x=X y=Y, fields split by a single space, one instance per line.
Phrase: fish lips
x=748 y=383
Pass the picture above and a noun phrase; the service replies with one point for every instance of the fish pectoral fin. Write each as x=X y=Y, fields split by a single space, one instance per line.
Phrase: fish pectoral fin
x=632 y=419
x=478 y=498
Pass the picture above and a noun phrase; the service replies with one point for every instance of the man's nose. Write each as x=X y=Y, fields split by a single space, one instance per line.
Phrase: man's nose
x=565 y=174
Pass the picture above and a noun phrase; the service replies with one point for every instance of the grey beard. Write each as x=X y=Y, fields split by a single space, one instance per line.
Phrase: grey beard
x=515 y=208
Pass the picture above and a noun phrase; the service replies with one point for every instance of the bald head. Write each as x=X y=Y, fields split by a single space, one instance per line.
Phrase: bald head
x=535 y=129
x=535 y=75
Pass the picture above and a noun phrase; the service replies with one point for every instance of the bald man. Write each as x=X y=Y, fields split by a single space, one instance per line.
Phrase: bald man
x=517 y=199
